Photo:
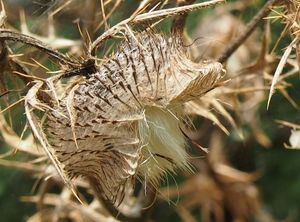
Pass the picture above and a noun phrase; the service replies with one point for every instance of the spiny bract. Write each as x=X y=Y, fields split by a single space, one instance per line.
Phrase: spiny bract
x=124 y=120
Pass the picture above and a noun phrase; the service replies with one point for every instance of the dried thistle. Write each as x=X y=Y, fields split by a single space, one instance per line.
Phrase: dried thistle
x=106 y=122
x=124 y=120
x=112 y=122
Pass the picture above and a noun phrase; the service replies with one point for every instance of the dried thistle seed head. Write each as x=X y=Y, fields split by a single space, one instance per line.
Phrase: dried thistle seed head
x=124 y=120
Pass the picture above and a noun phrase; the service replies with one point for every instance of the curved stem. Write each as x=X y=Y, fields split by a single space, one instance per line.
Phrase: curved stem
x=245 y=34
x=28 y=40
x=179 y=21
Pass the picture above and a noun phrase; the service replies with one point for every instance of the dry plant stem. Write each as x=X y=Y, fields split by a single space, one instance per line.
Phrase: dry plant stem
x=249 y=29
x=20 y=165
x=16 y=66
x=146 y=17
x=111 y=11
x=75 y=67
x=42 y=191
x=10 y=64
x=18 y=37
x=179 y=20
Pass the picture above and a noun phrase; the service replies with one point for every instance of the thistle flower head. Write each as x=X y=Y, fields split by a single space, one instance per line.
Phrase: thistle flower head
x=123 y=120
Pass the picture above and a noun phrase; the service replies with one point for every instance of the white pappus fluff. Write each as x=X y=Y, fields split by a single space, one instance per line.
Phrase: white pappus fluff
x=162 y=143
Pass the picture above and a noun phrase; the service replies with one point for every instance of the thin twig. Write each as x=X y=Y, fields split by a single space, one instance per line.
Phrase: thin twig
x=19 y=37
x=245 y=34
x=178 y=23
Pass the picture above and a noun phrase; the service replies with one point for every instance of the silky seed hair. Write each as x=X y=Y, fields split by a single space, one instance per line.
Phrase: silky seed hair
x=123 y=121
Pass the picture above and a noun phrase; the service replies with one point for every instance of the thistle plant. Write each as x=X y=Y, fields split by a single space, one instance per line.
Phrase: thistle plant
x=116 y=122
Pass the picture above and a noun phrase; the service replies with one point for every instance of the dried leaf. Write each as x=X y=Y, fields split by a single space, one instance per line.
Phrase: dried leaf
x=280 y=67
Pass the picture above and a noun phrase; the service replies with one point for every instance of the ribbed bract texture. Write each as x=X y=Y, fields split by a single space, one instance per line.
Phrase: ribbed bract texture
x=124 y=121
